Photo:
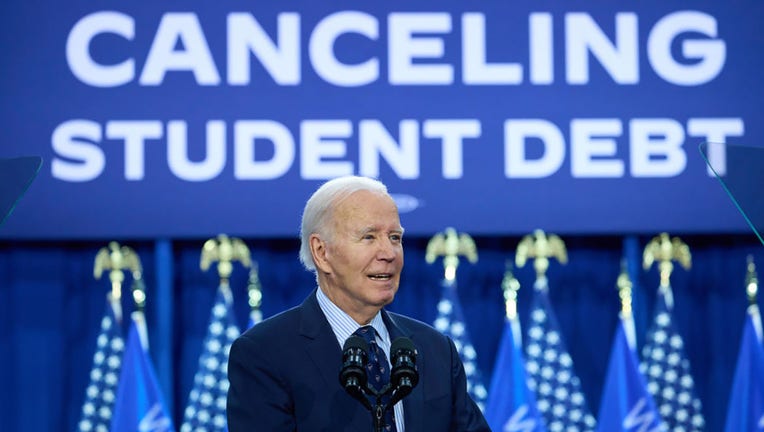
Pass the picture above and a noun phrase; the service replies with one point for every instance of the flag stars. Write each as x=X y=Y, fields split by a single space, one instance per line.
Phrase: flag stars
x=213 y=346
x=682 y=415
x=657 y=355
x=534 y=350
x=563 y=377
x=220 y=403
x=670 y=376
x=543 y=405
x=102 y=341
x=538 y=316
x=469 y=352
x=206 y=408
x=444 y=307
x=552 y=338
x=668 y=373
x=216 y=328
x=676 y=342
x=663 y=319
x=566 y=361
x=550 y=355
x=450 y=322
x=105 y=412
x=547 y=372
x=481 y=391
x=108 y=396
x=219 y=312
x=668 y=393
x=457 y=329
x=673 y=359
x=561 y=393
x=441 y=324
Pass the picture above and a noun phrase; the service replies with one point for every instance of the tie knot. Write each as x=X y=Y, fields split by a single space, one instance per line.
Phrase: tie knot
x=368 y=333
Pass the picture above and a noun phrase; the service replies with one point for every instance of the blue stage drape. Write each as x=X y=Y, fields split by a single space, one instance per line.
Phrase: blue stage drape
x=51 y=306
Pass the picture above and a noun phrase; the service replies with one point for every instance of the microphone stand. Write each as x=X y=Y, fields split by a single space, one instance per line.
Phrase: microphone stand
x=403 y=373
x=379 y=408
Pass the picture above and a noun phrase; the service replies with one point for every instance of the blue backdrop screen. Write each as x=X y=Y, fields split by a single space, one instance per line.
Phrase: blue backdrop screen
x=185 y=119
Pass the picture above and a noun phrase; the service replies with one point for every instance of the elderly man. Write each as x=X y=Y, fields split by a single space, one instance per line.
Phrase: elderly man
x=284 y=372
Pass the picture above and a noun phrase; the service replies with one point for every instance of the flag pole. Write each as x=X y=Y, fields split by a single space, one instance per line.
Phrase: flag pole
x=510 y=286
x=624 y=287
x=254 y=295
x=751 y=281
x=117 y=259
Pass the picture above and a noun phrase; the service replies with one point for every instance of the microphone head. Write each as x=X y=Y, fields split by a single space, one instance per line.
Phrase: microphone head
x=404 y=373
x=354 y=359
x=355 y=341
x=402 y=343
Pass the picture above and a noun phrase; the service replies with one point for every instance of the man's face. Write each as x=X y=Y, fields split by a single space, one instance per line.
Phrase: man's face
x=364 y=254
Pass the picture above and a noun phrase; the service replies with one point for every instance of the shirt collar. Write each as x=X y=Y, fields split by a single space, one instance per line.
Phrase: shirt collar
x=344 y=326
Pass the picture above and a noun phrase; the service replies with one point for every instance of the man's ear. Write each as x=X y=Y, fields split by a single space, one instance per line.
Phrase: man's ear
x=319 y=252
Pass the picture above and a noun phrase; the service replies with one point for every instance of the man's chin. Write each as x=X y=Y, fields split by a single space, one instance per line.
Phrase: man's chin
x=387 y=296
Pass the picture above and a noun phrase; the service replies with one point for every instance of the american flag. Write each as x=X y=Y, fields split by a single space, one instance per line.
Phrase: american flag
x=450 y=322
x=550 y=370
x=100 y=394
x=205 y=410
x=668 y=371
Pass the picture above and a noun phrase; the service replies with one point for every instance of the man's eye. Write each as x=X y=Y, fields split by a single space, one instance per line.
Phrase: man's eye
x=396 y=238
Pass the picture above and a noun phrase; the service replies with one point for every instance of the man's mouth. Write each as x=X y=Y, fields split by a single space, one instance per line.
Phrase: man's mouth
x=381 y=276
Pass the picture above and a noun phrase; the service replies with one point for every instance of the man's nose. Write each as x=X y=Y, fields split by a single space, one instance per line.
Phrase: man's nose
x=387 y=250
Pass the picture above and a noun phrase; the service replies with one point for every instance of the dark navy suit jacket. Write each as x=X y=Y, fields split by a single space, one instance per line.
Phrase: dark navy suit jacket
x=284 y=376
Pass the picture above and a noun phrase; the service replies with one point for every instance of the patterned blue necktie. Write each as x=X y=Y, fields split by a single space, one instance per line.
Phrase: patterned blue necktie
x=378 y=373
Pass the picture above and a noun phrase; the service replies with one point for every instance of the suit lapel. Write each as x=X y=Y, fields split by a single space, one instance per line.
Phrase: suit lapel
x=321 y=347
x=413 y=404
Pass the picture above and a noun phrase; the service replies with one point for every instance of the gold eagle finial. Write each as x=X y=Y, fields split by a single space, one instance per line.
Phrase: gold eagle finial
x=224 y=250
x=540 y=246
x=450 y=244
x=115 y=259
x=664 y=250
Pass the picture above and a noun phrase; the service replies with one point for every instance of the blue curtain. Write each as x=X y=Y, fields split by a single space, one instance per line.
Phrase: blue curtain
x=51 y=306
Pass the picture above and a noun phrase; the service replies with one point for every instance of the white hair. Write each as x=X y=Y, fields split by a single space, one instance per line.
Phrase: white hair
x=318 y=210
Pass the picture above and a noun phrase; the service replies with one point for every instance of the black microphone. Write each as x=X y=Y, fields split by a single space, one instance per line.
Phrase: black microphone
x=404 y=375
x=353 y=372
